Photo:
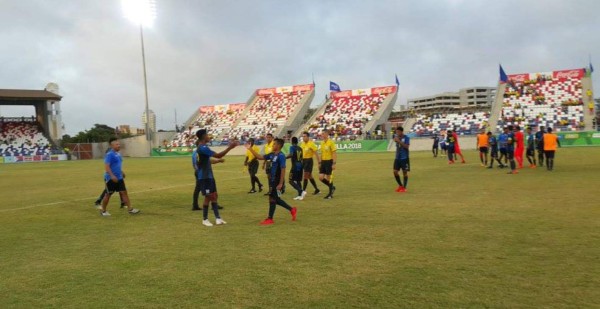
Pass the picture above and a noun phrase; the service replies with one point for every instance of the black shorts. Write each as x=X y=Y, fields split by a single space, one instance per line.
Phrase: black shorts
x=206 y=186
x=295 y=175
x=549 y=154
x=112 y=187
x=530 y=152
x=326 y=167
x=483 y=150
x=444 y=147
x=268 y=167
x=307 y=165
x=253 y=167
x=510 y=154
x=402 y=164
x=503 y=151
x=494 y=153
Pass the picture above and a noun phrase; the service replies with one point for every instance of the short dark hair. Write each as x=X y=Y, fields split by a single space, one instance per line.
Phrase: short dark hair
x=294 y=140
x=305 y=133
x=112 y=139
x=401 y=129
x=489 y=133
x=251 y=140
x=279 y=141
x=269 y=134
x=510 y=127
x=549 y=130
x=517 y=127
x=201 y=133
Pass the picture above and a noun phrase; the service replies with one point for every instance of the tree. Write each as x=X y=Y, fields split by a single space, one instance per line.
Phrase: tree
x=97 y=134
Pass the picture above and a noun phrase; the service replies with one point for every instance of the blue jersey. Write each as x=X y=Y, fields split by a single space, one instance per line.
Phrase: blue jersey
x=195 y=159
x=296 y=157
x=502 y=141
x=277 y=163
x=510 y=141
x=530 y=141
x=539 y=138
x=401 y=152
x=203 y=162
x=436 y=141
x=115 y=162
x=493 y=143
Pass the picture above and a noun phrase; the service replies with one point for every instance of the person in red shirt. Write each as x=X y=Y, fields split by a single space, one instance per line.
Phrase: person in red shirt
x=519 y=146
x=457 y=147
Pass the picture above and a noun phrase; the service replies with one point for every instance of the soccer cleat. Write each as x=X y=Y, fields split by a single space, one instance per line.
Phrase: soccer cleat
x=317 y=191
x=220 y=221
x=105 y=213
x=298 y=198
x=402 y=190
x=399 y=188
x=328 y=197
x=251 y=191
x=99 y=207
x=267 y=221
x=294 y=212
x=196 y=208
x=303 y=195
x=96 y=203
x=206 y=223
x=122 y=205
x=220 y=207
x=134 y=211
x=463 y=162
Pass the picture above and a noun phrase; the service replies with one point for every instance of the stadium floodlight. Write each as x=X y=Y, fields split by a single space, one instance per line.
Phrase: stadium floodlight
x=142 y=13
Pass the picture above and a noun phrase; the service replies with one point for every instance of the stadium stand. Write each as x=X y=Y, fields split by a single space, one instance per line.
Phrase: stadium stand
x=271 y=110
x=464 y=123
x=217 y=119
x=550 y=99
x=348 y=112
x=23 y=138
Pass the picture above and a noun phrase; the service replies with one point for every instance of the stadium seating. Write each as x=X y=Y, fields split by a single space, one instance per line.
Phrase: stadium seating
x=22 y=138
x=267 y=114
x=464 y=123
x=214 y=119
x=348 y=115
x=544 y=102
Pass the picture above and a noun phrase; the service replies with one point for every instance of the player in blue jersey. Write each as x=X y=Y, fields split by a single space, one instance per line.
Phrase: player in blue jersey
x=197 y=188
x=296 y=170
x=114 y=177
x=205 y=180
x=493 y=150
x=539 y=141
x=450 y=142
x=276 y=180
x=530 y=150
x=502 y=146
x=510 y=148
x=435 y=148
x=402 y=160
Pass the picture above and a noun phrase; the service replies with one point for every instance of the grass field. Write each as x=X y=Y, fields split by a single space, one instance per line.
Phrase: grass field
x=463 y=236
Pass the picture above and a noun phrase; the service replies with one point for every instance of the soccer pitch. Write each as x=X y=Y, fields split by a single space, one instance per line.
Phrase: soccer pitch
x=463 y=236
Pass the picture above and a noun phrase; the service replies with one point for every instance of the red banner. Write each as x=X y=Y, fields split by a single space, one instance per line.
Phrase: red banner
x=566 y=74
x=307 y=87
x=237 y=106
x=266 y=91
x=383 y=90
x=341 y=94
x=519 y=78
x=207 y=109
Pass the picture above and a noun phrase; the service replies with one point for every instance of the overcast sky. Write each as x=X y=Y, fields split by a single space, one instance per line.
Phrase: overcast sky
x=218 y=52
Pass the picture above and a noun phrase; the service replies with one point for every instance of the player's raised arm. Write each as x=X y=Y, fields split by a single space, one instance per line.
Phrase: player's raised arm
x=231 y=145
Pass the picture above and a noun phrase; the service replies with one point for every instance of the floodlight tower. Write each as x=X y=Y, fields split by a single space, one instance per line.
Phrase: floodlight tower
x=142 y=13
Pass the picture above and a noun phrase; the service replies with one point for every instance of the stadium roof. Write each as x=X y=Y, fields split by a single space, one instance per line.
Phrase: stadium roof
x=19 y=94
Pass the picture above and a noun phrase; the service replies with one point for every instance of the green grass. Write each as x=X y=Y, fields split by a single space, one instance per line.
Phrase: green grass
x=463 y=236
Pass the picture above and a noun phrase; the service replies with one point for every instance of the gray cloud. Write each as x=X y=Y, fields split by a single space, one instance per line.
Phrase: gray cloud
x=214 y=52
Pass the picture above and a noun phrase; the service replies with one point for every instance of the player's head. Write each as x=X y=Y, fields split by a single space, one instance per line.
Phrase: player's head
x=517 y=128
x=294 y=140
x=114 y=143
x=549 y=130
x=509 y=128
x=448 y=132
x=528 y=130
x=505 y=129
x=278 y=144
x=542 y=129
x=400 y=131
x=305 y=137
x=489 y=133
x=269 y=137
x=325 y=134
x=251 y=141
x=202 y=136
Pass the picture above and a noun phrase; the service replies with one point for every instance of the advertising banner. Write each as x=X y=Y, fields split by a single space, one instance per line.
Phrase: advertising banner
x=555 y=75
x=518 y=78
x=221 y=108
x=207 y=109
x=574 y=139
x=36 y=158
x=303 y=88
x=237 y=106
x=341 y=94
x=567 y=74
x=266 y=91
x=284 y=89
x=383 y=90
x=172 y=151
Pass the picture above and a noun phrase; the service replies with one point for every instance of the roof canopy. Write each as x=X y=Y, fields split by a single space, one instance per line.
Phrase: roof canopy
x=29 y=95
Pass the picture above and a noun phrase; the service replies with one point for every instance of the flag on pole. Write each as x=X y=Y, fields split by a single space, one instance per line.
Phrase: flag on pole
x=334 y=87
x=503 y=76
x=397 y=81
x=313 y=76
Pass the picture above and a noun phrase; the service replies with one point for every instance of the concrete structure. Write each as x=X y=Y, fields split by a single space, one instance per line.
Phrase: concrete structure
x=152 y=124
x=473 y=98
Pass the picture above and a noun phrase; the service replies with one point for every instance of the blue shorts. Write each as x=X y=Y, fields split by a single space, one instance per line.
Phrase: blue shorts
x=206 y=186
x=402 y=164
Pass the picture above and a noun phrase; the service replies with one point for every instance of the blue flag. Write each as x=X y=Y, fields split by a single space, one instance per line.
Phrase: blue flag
x=397 y=81
x=503 y=76
x=334 y=87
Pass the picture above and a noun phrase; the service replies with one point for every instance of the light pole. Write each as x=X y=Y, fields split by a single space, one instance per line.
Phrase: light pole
x=142 y=13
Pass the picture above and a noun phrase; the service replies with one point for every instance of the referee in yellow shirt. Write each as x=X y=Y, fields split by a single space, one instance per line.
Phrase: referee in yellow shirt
x=309 y=150
x=252 y=163
x=268 y=149
x=328 y=160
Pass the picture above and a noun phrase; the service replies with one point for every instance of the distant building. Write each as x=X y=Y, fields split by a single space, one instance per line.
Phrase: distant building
x=152 y=123
x=474 y=98
x=125 y=128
